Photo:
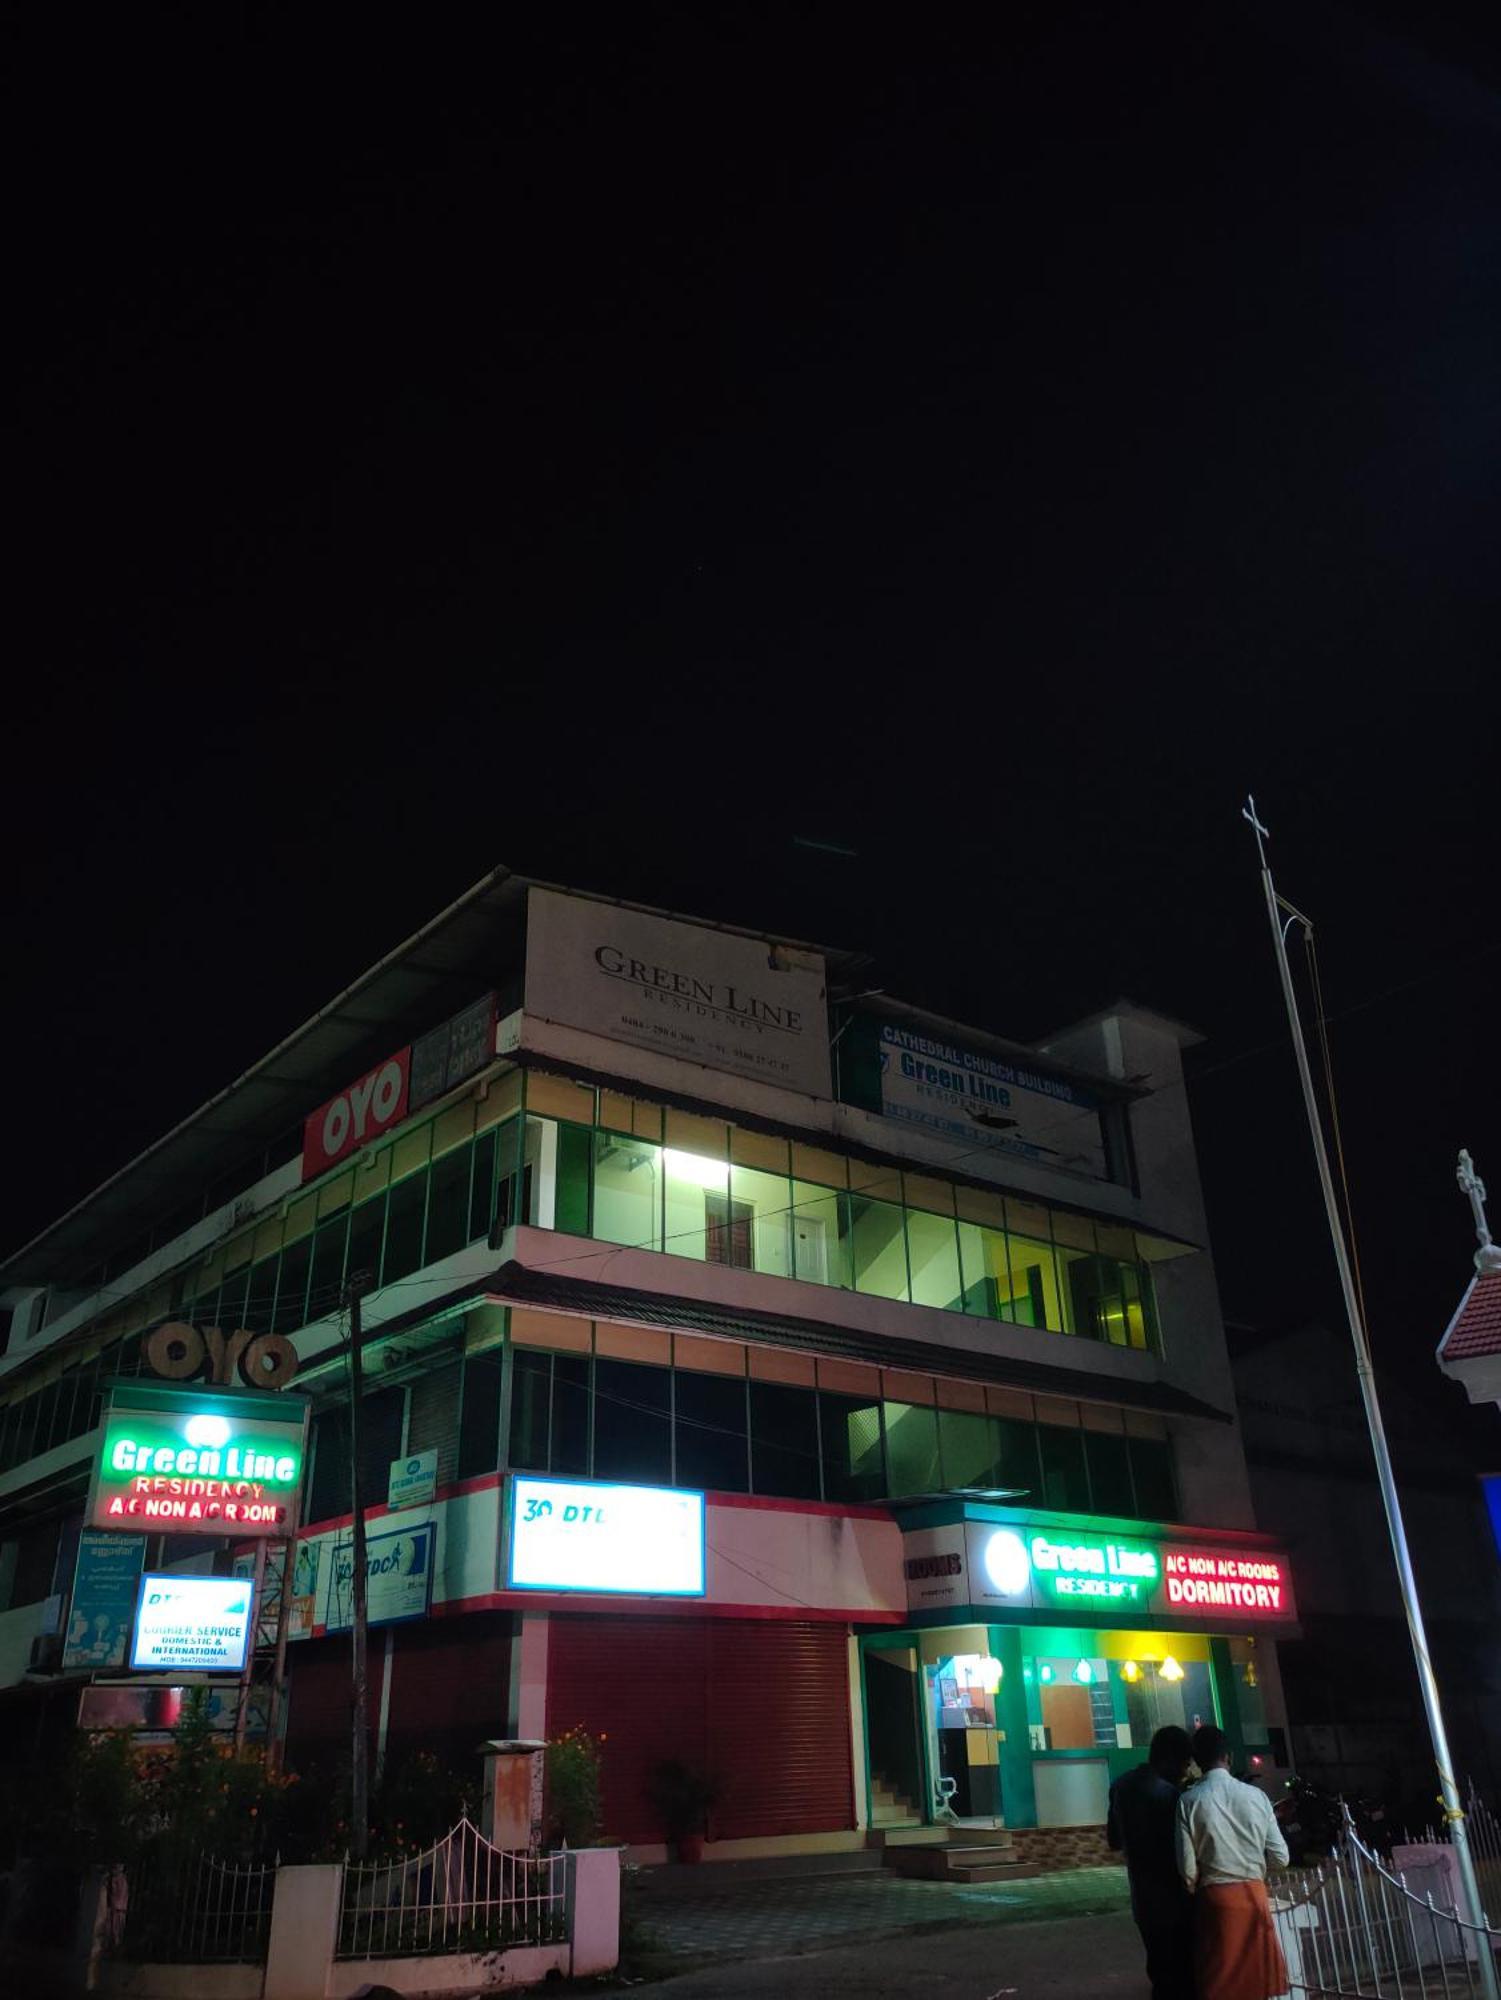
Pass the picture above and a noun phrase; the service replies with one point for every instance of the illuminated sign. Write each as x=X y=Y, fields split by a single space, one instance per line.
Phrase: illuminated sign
x=176 y=1462
x=1086 y=1570
x=357 y=1115
x=579 y=1534
x=192 y=1622
x=1237 y=1582
x=178 y=1352
x=398 y=1579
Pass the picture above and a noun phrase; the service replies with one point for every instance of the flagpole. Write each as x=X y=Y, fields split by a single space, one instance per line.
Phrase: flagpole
x=1453 y=1812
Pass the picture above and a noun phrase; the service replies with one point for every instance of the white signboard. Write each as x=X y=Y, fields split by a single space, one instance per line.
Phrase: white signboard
x=398 y=1579
x=987 y=1101
x=581 y=1534
x=192 y=1623
x=933 y=1564
x=413 y=1480
x=705 y=996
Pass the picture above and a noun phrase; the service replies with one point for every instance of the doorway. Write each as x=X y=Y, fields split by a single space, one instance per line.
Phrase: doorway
x=893 y=1734
x=962 y=1683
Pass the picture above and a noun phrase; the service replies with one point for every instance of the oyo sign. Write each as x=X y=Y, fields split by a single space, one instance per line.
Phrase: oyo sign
x=357 y=1115
x=179 y=1352
x=196 y=1465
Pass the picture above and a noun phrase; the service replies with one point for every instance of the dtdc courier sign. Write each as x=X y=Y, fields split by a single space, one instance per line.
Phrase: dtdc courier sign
x=582 y=1534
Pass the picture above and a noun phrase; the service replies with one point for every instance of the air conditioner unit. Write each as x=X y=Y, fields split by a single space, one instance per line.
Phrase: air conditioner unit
x=46 y=1655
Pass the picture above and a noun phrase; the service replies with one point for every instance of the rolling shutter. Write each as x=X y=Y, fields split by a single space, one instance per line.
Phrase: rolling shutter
x=762 y=1703
x=450 y=1687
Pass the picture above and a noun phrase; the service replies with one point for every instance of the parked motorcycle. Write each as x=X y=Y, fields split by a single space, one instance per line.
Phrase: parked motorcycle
x=1313 y=1821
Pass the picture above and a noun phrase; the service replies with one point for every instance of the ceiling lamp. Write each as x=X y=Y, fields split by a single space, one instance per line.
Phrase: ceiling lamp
x=990 y=1673
x=1044 y=1672
x=1131 y=1672
x=1084 y=1673
x=1170 y=1670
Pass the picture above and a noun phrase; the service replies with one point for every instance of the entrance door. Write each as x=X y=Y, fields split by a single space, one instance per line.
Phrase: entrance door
x=961 y=1691
x=893 y=1724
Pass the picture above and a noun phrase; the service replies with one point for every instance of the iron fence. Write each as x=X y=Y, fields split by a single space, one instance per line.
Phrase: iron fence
x=1354 y=1926
x=197 y=1911
x=460 y=1894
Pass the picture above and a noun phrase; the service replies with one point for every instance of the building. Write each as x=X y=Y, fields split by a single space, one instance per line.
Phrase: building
x=1360 y=1729
x=926 y=1315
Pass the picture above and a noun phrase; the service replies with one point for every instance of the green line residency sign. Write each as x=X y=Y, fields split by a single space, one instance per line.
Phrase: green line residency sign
x=187 y=1461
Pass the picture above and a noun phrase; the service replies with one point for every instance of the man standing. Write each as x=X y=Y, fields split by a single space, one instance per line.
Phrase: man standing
x=1227 y=1833
x=1142 y=1823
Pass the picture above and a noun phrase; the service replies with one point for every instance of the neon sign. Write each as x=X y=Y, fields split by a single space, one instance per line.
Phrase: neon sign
x=1237 y=1582
x=1084 y=1569
x=179 y=1463
x=1052 y=1564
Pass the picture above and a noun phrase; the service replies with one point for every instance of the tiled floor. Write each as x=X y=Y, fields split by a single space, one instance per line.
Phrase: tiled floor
x=761 y=1919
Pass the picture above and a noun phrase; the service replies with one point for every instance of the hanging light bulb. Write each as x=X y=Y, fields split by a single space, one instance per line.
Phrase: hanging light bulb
x=1044 y=1672
x=1084 y=1673
x=990 y=1673
x=1251 y=1679
x=1170 y=1670
x=1131 y=1672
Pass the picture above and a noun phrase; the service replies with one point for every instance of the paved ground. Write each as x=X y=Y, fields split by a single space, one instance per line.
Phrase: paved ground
x=756 y=1934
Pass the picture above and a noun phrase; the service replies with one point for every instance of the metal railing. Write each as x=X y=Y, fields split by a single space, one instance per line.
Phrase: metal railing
x=199 y=1911
x=461 y=1894
x=1351 y=1925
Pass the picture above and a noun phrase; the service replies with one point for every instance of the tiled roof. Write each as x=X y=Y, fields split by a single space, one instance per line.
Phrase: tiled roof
x=1475 y=1329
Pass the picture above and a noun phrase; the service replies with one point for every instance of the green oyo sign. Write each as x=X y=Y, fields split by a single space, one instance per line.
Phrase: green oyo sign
x=179 y=1462
x=1078 y=1572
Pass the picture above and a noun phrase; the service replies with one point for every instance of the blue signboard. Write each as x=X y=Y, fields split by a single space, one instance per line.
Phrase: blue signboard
x=1490 y=1486
x=104 y=1599
x=398 y=1579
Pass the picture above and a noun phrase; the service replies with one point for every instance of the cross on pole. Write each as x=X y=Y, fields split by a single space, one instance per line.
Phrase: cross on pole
x=1471 y=1184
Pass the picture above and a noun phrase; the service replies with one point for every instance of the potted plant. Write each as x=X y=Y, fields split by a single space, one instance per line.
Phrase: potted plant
x=683 y=1797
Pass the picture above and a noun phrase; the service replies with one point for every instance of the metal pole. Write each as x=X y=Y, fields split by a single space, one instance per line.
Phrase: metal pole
x=279 y=1669
x=360 y=1749
x=1427 y=1683
x=247 y=1672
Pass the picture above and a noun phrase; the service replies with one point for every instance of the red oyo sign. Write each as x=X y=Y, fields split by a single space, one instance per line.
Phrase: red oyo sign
x=357 y=1115
x=1228 y=1580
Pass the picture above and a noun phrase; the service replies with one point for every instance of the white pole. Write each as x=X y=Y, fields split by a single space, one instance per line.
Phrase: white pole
x=1453 y=1811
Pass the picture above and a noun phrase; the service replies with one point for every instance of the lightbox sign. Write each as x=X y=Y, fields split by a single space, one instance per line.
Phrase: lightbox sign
x=581 y=1534
x=192 y=1623
x=1029 y=1566
x=358 y=1115
x=178 y=1462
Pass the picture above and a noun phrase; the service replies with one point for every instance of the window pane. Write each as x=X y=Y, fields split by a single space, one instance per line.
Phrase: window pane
x=933 y=1260
x=767 y=1197
x=448 y=1204
x=709 y=1432
x=570 y=1413
x=1033 y=1299
x=627 y=1191
x=1064 y=1482
x=1109 y=1473
x=330 y=1491
x=327 y=1278
x=912 y=1448
x=850 y=1433
x=968 y=1448
x=531 y=1401
x=880 y=1251
x=291 y=1285
x=1017 y=1455
x=403 y=1252
x=382 y=1416
x=366 y=1227
x=820 y=1247
x=479 y=1415
x=690 y=1179
x=985 y=1271
x=632 y=1422
x=262 y=1295
x=784 y=1441
x=1152 y=1477
x=232 y=1299
x=501 y=1141
x=571 y=1198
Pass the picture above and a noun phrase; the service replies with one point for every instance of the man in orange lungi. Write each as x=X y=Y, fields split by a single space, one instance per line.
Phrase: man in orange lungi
x=1227 y=1833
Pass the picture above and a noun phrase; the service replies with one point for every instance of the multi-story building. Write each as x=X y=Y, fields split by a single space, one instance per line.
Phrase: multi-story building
x=926 y=1316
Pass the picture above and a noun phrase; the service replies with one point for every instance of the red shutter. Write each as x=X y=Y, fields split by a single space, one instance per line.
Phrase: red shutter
x=450 y=1687
x=762 y=1703
x=320 y=1698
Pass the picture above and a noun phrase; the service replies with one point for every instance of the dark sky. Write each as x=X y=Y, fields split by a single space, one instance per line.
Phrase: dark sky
x=620 y=443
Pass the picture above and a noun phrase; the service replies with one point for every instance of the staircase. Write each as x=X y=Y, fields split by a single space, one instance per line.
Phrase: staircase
x=954 y=1854
x=888 y=1805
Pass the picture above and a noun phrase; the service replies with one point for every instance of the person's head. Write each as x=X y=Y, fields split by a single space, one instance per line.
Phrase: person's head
x=1211 y=1747
x=1170 y=1753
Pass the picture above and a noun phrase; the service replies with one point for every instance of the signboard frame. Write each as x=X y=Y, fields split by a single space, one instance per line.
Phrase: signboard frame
x=425 y=1534
x=171 y=1582
x=270 y=1417
x=677 y=1497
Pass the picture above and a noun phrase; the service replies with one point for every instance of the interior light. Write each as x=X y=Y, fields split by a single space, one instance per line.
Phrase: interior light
x=1170 y=1670
x=1044 y=1672
x=694 y=1167
x=990 y=1674
x=1084 y=1673
x=1131 y=1672
x=1251 y=1680
x=209 y=1431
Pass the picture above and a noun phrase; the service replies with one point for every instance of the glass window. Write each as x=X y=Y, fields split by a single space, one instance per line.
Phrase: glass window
x=570 y=1414
x=1065 y=1481
x=366 y=1227
x=765 y=1198
x=933 y=1260
x=327 y=1278
x=850 y=1433
x=820 y=1243
x=1109 y=1473
x=1152 y=1479
x=627 y=1191
x=728 y=1232
x=985 y=1271
x=482 y=1178
x=330 y=1493
x=291 y=1285
x=571 y=1195
x=912 y=1448
x=709 y=1432
x=404 y=1212
x=691 y=1181
x=1078 y=1275
x=784 y=1441
x=879 y=1246
x=632 y=1422
x=448 y=1204
x=232 y=1298
x=531 y=1410
x=382 y=1419
x=968 y=1448
x=479 y=1414
x=1034 y=1277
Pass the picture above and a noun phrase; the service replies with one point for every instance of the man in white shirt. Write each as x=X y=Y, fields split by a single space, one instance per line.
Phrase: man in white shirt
x=1227 y=1833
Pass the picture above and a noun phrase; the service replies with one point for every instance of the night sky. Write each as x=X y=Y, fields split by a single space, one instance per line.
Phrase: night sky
x=632 y=444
